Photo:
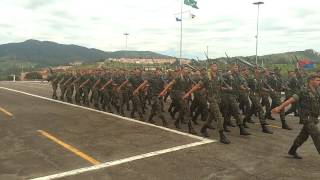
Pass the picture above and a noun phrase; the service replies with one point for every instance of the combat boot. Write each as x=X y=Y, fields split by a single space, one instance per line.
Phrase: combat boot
x=293 y=152
x=243 y=131
x=285 y=125
x=191 y=130
x=265 y=129
x=223 y=138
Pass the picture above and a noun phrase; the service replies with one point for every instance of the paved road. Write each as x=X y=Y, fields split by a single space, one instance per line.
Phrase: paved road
x=43 y=137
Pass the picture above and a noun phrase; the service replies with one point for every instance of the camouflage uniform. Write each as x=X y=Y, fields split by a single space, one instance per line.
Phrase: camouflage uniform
x=309 y=102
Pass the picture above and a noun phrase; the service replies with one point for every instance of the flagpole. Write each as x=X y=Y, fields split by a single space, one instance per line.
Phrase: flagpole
x=181 y=32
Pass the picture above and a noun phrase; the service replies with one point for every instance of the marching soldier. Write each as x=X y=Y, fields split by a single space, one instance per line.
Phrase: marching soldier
x=230 y=88
x=309 y=101
x=156 y=85
x=212 y=85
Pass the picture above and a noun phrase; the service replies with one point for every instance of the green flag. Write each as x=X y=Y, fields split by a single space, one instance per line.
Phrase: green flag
x=191 y=3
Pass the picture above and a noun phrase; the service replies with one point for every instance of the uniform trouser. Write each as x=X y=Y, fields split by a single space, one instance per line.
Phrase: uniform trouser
x=180 y=104
x=202 y=108
x=54 y=91
x=86 y=92
x=244 y=104
x=95 y=97
x=309 y=128
x=276 y=101
x=265 y=102
x=156 y=107
x=137 y=106
x=62 y=91
x=194 y=104
x=106 y=102
x=214 y=113
x=123 y=100
x=257 y=107
x=230 y=107
x=69 y=93
x=77 y=96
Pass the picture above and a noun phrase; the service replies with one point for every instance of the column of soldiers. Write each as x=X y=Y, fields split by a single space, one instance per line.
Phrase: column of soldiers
x=210 y=94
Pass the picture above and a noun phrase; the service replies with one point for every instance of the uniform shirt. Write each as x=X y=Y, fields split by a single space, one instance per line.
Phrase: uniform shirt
x=181 y=84
x=156 y=85
x=212 y=86
x=309 y=102
x=135 y=81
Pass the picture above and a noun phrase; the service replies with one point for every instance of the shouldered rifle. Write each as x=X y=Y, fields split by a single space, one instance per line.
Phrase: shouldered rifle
x=65 y=83
x=84 y=83
x=141 y=86
x=77 y=80
x=96 y=84
x=122 y=85
x=193 y=89
x=166 y=88
x=106 y=84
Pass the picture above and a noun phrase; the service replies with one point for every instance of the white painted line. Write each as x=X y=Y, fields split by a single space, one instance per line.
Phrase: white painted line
x=110 y=114
x=121 y=161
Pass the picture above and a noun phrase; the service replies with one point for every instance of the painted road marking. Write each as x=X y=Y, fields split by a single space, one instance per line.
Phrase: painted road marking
x=69 y=147
x=121 y=161
x=110 y=114
x=6 y=112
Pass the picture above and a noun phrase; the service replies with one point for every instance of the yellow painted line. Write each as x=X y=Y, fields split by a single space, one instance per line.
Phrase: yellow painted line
x=69 y=147
x=6 y=112
x=274 y=126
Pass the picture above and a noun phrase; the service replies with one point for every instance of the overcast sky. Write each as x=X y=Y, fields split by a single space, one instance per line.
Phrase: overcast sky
x=223 y=26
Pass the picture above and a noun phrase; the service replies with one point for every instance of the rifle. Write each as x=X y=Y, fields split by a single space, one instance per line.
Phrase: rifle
x=77 y=80
x=122 y=84
x=166 y=88
x=65 y=83
x=193 y=89
x=106 y=84
x=142 y=85
x=84 y=83
x=96 y=84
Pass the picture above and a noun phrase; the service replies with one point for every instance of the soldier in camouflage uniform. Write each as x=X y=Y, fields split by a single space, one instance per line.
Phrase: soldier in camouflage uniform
x=309 y=101
x=212 y=85
x=277 y=85
x=230 y=89
x=53 y=78
x=181 y=82
x=135 y=81
x=156 y=85
x=256 y=88
x=293 y=85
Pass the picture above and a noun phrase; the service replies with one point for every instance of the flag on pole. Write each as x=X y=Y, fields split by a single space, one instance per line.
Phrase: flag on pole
x=191 y=3
x=305 y=63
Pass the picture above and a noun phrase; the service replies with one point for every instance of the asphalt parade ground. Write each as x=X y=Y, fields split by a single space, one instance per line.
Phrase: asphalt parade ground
x=42 y=139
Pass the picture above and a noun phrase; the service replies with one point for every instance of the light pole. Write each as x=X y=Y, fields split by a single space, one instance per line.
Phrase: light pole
x=126 y=34
x=258 y=4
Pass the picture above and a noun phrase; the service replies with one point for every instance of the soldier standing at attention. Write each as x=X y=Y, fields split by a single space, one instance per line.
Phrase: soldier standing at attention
x=309 y=99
